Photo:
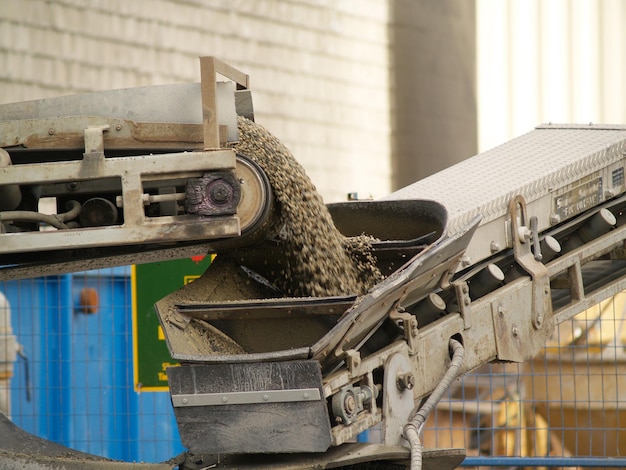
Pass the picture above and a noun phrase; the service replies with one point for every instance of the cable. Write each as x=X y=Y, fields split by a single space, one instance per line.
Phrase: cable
x=55 y=220
x=413 y=429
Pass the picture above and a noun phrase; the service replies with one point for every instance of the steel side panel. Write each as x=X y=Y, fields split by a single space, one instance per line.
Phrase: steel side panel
x=175 y=103
x=301 y=426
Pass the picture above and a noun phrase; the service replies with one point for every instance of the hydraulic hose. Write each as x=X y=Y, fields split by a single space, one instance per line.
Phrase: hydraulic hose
x=55 y=220
x=413 y=429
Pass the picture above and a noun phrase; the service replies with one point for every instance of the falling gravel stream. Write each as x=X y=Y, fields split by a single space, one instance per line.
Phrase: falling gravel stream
x=301 y=254
x=317 y=260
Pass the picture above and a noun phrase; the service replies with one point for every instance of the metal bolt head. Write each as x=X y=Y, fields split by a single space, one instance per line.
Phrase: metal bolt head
x=349 y=403
x=555 y=219
x=515 y=331
x=220 y=192
x=405 y=381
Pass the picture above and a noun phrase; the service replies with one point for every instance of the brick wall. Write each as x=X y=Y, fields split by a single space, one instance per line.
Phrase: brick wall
x=320 y=70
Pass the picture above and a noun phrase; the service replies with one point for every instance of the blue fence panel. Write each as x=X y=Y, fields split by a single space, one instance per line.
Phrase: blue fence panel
x=78 y=387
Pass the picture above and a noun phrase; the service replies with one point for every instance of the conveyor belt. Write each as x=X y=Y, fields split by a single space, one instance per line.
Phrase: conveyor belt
x=560 y=170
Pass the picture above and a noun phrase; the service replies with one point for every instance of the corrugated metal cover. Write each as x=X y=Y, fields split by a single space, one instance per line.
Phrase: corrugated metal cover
x=532 y=165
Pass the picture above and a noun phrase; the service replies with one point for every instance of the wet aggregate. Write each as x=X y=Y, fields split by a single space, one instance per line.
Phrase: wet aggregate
x=315 y=259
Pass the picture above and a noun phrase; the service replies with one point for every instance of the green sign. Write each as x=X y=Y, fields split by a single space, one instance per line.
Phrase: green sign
x=150 y=283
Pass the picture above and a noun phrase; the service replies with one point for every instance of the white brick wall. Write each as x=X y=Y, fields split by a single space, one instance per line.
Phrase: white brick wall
x=319 y=69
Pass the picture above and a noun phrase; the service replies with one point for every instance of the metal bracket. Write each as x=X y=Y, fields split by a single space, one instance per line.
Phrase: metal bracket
x=244 y=398
x=463 y=300
x=94 y=142
x=353 y=361
x=209 y=68
x=398 y=402
x=534 y=234
x=409 y=325
x=522 y=237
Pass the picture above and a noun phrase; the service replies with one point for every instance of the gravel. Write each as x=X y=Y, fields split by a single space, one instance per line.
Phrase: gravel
x=316 y=260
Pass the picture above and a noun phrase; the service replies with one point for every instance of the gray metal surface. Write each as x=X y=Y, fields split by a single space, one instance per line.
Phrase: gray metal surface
x=132 y=172
x=422 y=274
x=242 y=398
x=251 y=427
x=354 y=456
x=178 y=103
x=171 y=104
x=503 y=324
x=539 y=166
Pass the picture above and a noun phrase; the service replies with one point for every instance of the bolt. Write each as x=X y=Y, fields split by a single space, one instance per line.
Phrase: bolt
x=515 y=332
x=405 y=381
x=220 y=192
x=73 y=186
x=224 y=399
x=185 y=401
x=51 y=131
x=305 y=396
x=265 y=397
x=349 y=404
x=118 y=127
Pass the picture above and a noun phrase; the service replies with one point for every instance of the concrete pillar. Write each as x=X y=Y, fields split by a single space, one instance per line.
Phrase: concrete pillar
x=433 y=86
